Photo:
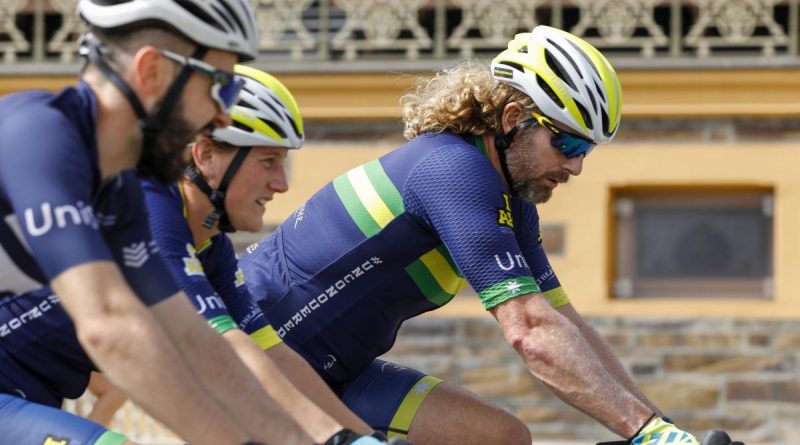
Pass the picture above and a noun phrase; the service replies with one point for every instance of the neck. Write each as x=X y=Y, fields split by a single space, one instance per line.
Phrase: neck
x=197 y=208
x=494 y=157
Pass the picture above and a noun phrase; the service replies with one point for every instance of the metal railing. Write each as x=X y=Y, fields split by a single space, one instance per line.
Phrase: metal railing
x=308 y=35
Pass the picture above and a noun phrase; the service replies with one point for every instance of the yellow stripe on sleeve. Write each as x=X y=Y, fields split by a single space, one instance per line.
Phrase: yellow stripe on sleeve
x=266 y=337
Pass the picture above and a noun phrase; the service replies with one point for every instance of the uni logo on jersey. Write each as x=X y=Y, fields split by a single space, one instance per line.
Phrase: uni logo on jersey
x=504 y=217
x=78 y=214
x=50 y=440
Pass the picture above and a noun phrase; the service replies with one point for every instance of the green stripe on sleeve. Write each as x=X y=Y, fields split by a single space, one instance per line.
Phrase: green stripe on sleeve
x=506 y=290
x=354 y=207
x=111 y=438
x=222 y=323
x=385 y=187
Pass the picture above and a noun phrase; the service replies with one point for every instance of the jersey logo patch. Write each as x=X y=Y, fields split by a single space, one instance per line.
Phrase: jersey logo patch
x=504 y=217
x=192 y=265
x=50 y=440
x=239 y=281
x=136 y=254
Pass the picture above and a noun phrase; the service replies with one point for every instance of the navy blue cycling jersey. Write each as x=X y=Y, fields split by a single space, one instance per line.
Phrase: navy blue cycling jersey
x=208 y=274
x=56 y=212
x=389 y=240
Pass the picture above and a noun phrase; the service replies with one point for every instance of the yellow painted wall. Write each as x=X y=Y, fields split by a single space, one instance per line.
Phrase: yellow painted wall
x=582 y=206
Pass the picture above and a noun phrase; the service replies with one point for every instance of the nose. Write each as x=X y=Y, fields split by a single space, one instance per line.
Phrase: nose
x=279 y=183
x=222 y=119
x=574 y=165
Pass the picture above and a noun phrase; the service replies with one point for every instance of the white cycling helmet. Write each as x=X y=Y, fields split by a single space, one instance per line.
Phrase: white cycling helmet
x=266 y=114
x=569 y=80
x=228 y=25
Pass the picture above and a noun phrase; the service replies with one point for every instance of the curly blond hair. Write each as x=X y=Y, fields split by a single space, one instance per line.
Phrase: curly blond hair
x=465 y=99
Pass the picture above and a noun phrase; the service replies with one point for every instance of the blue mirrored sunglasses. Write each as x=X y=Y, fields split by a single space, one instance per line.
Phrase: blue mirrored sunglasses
x=571 y=145
x=225 y=86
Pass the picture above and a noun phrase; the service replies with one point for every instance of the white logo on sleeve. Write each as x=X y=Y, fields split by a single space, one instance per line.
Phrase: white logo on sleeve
x=191 y=264
x=135 y=255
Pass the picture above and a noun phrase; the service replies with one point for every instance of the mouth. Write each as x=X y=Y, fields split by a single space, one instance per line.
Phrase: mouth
x=262 y=202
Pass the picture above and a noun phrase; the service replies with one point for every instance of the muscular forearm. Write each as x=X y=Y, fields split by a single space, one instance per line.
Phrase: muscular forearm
x=607 y=357
x=227 y=379
x=120 y=335
x=318 y=423
x=311 y=384
x=557 y=354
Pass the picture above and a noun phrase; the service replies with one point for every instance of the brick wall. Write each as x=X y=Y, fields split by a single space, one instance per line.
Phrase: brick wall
x=742 y=375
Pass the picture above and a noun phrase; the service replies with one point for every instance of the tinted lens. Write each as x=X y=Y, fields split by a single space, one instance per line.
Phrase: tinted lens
x=571 y=145
x=225 y=90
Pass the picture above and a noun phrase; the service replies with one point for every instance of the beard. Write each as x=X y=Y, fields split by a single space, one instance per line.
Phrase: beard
x=165 y=159
x=522 y=166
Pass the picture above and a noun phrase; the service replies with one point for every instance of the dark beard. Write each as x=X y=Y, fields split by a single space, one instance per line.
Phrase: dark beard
x=164 y=160
x=519 y=165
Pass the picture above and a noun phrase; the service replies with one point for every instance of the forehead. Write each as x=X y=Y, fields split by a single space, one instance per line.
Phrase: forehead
x=223 y=60
x=270 y=151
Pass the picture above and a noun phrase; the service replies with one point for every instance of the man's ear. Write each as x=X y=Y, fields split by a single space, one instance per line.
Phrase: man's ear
x=152 y=75
x=513 y=113
x=202 y=156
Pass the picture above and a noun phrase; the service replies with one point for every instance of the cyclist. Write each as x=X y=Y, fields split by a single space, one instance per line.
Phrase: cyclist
x=73 y=232
x=232 y=175
x=399 y=236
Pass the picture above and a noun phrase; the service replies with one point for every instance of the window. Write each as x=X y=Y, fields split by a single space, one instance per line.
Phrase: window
x=693 y=243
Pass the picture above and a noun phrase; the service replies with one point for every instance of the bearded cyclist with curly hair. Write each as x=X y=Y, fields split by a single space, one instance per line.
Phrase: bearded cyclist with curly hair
x=399 y=236
x=74 y=232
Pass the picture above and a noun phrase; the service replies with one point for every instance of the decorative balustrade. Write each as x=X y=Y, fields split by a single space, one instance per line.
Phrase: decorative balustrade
x=307 y=32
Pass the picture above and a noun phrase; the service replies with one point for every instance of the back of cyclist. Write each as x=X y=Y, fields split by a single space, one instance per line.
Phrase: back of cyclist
x=73 y=224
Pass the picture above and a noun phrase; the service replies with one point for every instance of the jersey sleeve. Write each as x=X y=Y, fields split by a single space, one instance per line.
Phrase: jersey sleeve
x=50 y=180
x=458 y=193
x=227 y=278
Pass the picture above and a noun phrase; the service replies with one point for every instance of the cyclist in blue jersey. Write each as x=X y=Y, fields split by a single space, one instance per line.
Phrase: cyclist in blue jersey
x=233 y=174
x=74 y=232
x=400 y=236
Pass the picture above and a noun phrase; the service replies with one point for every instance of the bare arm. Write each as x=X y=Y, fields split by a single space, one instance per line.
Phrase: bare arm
x=268 y=367
x=109 y=399
x=119 y=334
x=610 y=361
x=225 y=377
x=311 y=384
x=557 y=354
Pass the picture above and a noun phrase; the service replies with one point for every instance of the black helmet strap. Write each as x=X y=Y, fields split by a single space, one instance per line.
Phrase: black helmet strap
x=502 y=142
x=217 y=196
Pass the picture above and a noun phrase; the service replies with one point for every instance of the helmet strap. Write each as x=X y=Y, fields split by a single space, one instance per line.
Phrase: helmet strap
x=217 y=196
x=502 y=143
x=151 y=126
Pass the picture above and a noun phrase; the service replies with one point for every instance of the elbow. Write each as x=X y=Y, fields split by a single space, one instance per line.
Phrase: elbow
x=532 y=347
x=106 y=333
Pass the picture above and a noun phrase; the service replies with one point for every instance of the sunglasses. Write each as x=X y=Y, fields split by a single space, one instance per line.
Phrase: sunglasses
x=225 y=86
x=571 y=145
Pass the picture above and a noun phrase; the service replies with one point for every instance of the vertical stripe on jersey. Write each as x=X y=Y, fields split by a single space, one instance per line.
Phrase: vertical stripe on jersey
x=436 y=275
x=369 y=196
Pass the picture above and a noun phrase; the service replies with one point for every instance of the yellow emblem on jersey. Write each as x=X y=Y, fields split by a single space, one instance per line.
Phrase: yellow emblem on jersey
x=504 y=217
x=50 y=440
x=239 y=281
x=191 y=265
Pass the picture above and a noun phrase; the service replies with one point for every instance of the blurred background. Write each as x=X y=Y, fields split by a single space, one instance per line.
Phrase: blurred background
x=677 y=241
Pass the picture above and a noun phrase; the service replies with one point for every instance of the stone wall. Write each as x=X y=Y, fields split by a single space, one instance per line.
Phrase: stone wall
x=741 y=375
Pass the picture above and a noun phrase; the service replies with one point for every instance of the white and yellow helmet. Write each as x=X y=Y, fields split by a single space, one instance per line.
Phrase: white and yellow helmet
x=569 y=80
x=266 y=114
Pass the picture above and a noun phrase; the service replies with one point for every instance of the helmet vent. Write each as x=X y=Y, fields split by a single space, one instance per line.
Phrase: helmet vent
x=199 y=13
x=294 y=125
x=591 y=96
x=228 y=14
x=605 y=123
x=550 y=93
x=242 y=126
x=585 y=115
x=523 y=49
x=558 y=69
x=600 y=92
x=276 y=128
x=514 y=65
x=567 y=56
x=586 y=57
